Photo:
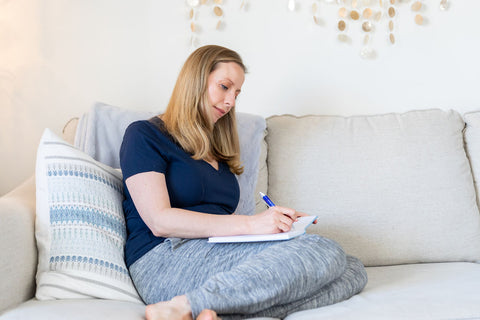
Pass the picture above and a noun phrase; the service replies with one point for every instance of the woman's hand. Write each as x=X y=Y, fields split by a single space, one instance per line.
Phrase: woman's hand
x=303 y=214
x=274 y=220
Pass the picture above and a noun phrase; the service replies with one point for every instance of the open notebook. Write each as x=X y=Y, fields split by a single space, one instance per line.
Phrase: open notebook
x=298 y=228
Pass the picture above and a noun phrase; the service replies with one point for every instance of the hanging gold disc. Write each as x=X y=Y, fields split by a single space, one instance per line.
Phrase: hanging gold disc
x=367 y=13
x=416 y=6
x=367 y=26
x=342 y=37
x=354 y=15
x=366 y=39
x=391 y=12
x=419 y=19
x=218 y=11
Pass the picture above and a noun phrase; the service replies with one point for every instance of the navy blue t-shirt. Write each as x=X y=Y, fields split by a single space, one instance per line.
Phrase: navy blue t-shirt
x=192 y=184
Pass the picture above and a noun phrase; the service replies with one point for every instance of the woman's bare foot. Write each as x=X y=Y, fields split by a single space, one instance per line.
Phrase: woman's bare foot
x=208 y=314
x=176 y=309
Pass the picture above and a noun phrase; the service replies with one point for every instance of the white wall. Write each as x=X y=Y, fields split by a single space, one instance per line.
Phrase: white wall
x=58 y=57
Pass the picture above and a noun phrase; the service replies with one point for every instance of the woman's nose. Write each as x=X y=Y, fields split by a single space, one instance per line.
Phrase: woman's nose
x=230 y=99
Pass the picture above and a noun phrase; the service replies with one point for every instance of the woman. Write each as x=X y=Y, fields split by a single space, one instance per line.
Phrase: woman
x=180 y=188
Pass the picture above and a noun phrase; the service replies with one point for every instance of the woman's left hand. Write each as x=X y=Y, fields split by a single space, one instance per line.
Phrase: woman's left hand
x=303 y=214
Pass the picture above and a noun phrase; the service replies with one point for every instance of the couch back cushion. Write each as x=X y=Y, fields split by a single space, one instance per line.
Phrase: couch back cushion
x=99 y=133
x=472 y=146
x=391 y=189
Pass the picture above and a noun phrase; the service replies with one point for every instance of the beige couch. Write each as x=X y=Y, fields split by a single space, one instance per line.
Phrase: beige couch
x=396 y=190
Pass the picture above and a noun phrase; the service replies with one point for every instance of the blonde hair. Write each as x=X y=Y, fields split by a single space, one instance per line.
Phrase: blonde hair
x=186 y=118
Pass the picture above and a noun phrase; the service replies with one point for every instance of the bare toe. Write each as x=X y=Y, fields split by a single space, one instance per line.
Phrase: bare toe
x=208 y=314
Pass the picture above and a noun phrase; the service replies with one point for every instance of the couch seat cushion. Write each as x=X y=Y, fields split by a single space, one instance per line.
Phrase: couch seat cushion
x=417 y=291
x=81 y=309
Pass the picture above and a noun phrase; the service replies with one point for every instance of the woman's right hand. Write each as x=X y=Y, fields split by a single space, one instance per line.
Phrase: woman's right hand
x=274 y=220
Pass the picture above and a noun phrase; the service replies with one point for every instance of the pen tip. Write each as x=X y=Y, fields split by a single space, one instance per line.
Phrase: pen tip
x=262 y=194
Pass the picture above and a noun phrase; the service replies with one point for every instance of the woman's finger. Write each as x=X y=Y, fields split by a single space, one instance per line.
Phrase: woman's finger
x=283 y=227
x=303 y=214
x=287 y=211
x=286 y=223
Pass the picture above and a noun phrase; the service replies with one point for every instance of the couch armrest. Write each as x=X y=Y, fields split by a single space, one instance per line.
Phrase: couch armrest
x=18 y=251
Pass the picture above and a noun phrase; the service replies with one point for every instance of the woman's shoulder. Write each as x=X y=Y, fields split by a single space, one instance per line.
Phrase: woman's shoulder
x=152 y=129
x=157 y=122
x=149 y=126
x=138 y=125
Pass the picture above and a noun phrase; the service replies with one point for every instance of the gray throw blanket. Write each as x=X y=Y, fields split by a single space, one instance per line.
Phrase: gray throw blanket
x=100 y=133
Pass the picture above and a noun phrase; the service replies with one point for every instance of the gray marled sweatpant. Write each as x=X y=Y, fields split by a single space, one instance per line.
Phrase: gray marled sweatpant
x=257 y=279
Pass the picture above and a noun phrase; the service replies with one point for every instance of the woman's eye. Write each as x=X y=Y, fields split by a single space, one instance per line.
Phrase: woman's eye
x=224 y=87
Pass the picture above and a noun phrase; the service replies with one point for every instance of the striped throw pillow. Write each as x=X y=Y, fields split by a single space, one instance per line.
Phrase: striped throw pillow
x=80 y=227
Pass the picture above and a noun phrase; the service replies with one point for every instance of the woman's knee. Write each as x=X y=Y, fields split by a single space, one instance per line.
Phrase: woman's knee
x=329 y=247
x=357 y=272
x=330 y=254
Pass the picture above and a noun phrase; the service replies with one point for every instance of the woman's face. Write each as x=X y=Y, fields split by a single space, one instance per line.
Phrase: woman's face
x=224 y=85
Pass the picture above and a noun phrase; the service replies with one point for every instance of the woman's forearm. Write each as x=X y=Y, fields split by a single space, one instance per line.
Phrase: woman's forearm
x=150 y=196
x=173 y=222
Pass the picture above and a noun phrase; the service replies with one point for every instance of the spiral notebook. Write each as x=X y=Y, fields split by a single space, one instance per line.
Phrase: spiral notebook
x=298 y=228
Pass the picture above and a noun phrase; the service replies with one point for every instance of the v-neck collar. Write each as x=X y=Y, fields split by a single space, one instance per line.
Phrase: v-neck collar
x=212 y=167
x=158 y=122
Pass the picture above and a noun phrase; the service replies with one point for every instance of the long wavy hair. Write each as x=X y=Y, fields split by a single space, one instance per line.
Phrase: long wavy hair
x=186 y=117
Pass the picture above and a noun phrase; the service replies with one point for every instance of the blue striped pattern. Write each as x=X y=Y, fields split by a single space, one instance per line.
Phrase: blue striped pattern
x=75 y=214
x=87 y=225
x=75 y=261
x=74 y=172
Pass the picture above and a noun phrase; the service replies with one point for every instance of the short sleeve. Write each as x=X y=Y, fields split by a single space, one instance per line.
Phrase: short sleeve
x=141 y=150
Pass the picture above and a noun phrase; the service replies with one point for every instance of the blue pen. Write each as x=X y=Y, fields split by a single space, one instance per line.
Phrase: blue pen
x=267 y=200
